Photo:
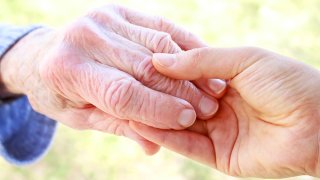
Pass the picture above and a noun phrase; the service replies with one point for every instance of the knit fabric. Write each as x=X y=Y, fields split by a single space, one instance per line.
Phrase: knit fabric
x=25 y=135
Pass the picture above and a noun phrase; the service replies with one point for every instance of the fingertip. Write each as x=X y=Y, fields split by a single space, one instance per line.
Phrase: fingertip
x=217 y=86
x=182 y=65
x=152 y=150
x=214 y=87
x=148 y=147
x=163 y=60
x=187 y=117
x=208 y=107
x=136 y=126
x=172 y=48
x=142 y=129
x=167 y=64
x=164 y=63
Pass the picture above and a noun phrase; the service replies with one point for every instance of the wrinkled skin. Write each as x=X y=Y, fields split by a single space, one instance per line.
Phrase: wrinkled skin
x=96 y=73
x=268 y=124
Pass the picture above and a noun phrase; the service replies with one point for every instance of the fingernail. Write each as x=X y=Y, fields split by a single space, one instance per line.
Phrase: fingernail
x=207 y=106
x=164 y=59
x=217 y=85
x=187 y=118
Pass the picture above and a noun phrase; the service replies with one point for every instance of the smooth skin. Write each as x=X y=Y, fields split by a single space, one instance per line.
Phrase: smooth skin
x=268 y=124
x=96 y=73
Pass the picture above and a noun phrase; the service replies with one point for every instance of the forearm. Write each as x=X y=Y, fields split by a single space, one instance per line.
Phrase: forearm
x=24 y=134
x=10 y=36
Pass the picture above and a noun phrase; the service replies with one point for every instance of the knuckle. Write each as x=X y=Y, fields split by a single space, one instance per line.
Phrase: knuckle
x=146 y=73
x=163 y=24
x=78 y=28
x=188 y=35
x=147 y=112
x=55 y=68
x=187 y=91
x=101 y=16
x=84 y=34
x=150 y=77
x=190 y=39
x=162 y=42
x=52 y=69
x=164 y=138
x=184 y=90
x=125 y=101
x=59 y=71
x=115 y=127
x=118 y=97
x=248 y=56
x=195 y=58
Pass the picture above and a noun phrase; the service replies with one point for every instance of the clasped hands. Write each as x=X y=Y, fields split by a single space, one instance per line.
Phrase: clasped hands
x=122 y=72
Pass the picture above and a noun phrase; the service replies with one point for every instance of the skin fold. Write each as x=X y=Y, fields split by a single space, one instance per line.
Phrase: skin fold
x=268 y=121
x=122 y=72
x=96 y=73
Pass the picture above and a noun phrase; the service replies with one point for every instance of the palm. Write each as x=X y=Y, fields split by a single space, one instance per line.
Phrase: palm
x=267 y=126
x=245 y=144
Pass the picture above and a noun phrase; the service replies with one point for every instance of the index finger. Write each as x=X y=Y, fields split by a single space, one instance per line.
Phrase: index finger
x=185 y=39
x=222 y=63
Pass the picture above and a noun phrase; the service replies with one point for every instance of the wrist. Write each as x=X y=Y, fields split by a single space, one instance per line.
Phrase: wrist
x=17 y=65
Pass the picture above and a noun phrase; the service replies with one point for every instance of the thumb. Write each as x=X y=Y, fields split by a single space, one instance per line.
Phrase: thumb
x=221 y=63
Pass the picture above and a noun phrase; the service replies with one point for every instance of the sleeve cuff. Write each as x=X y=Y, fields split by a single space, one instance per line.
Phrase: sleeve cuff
x=25 y=135
x=10 y=35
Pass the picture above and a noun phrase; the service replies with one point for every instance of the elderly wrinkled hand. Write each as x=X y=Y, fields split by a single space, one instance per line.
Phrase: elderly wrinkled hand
x=97 y=73
x=268 y=121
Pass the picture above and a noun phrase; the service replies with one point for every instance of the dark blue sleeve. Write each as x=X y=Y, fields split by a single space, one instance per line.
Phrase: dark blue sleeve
x=25 y=135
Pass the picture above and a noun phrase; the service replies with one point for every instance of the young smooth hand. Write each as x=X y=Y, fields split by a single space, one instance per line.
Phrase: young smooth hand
x=268 y=124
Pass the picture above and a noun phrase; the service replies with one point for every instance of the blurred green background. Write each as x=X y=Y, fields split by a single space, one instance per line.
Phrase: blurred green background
x=290 y=27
